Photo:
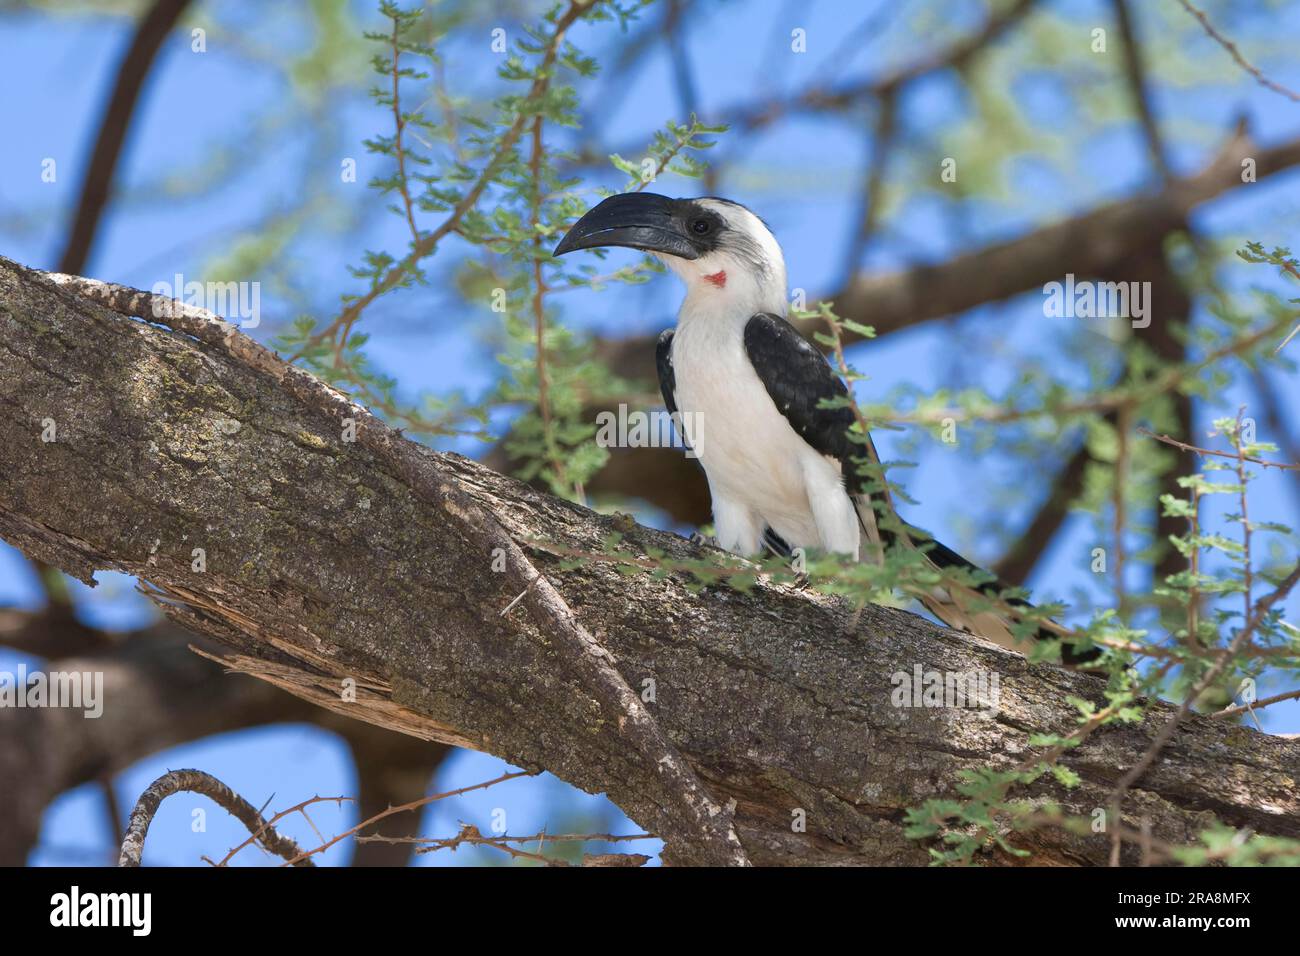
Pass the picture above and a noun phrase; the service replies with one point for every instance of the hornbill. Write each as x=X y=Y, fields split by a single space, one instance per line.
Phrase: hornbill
x=747 y=391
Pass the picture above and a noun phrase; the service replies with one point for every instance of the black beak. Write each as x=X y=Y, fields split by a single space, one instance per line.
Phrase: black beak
x=643 y=221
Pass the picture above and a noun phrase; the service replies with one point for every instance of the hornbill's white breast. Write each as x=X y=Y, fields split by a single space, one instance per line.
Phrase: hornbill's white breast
x=761 y=472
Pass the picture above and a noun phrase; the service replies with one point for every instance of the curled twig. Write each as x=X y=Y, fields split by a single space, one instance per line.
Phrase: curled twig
x=196 y=781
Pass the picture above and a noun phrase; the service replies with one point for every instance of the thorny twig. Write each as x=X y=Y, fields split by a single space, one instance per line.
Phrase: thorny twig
x=414 y=804
x=429 y=240
x=470 y=835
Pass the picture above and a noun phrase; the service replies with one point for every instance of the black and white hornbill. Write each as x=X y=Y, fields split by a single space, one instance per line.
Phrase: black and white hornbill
x=782 y=470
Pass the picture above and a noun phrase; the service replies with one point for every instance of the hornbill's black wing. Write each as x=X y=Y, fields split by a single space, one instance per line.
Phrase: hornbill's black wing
x=668 y=381
x=798 y=379
x=664 y=365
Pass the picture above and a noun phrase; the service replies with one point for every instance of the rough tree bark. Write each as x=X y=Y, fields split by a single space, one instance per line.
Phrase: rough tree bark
x=325 y=563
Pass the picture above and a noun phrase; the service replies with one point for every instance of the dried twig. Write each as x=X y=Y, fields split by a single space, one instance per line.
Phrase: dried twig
x=305 y=855
x=296 y=808
x=470 y=835
x=1235 y=709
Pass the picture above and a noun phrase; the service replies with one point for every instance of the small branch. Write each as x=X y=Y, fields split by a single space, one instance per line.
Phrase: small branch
x=535 y=160
x=681 y=142
x=1236 y=54
x=1223 y=659
x=882 y=145
x=674 y=35
x=470 y=835
x=1183 y=446
x=1122 y=425
x=196 y=781
x=429 y=241
x=463 y=837
x=1194 y=565
x=296 y=808
x=400 y=125
x=1248 y=581
x=818 y=99
x=403 y=187
x=1139 y=90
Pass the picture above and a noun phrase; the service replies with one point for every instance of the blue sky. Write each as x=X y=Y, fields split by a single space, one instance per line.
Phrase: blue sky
x=801 y=176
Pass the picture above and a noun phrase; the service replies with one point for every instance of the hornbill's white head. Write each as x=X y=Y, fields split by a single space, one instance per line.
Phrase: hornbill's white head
x=724 y=253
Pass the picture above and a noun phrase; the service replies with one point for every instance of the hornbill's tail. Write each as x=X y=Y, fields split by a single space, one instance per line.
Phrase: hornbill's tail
x=980 y=609
x=966 y=608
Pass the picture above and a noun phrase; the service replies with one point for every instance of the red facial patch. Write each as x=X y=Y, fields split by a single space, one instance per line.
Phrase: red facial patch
x=718 y=278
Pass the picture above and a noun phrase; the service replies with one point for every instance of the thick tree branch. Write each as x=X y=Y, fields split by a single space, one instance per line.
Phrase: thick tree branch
x=332 y=571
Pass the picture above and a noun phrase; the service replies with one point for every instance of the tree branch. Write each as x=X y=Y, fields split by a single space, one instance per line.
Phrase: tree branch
x=359 y=575
x=1240 y=60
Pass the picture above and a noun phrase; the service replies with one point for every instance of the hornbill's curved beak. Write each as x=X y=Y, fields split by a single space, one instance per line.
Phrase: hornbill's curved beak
x=645 y=221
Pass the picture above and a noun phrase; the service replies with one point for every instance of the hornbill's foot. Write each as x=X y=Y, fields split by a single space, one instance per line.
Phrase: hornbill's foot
x=703 y=540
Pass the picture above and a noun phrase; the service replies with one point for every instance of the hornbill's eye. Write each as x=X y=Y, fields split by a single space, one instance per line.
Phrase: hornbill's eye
x=700 y=226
